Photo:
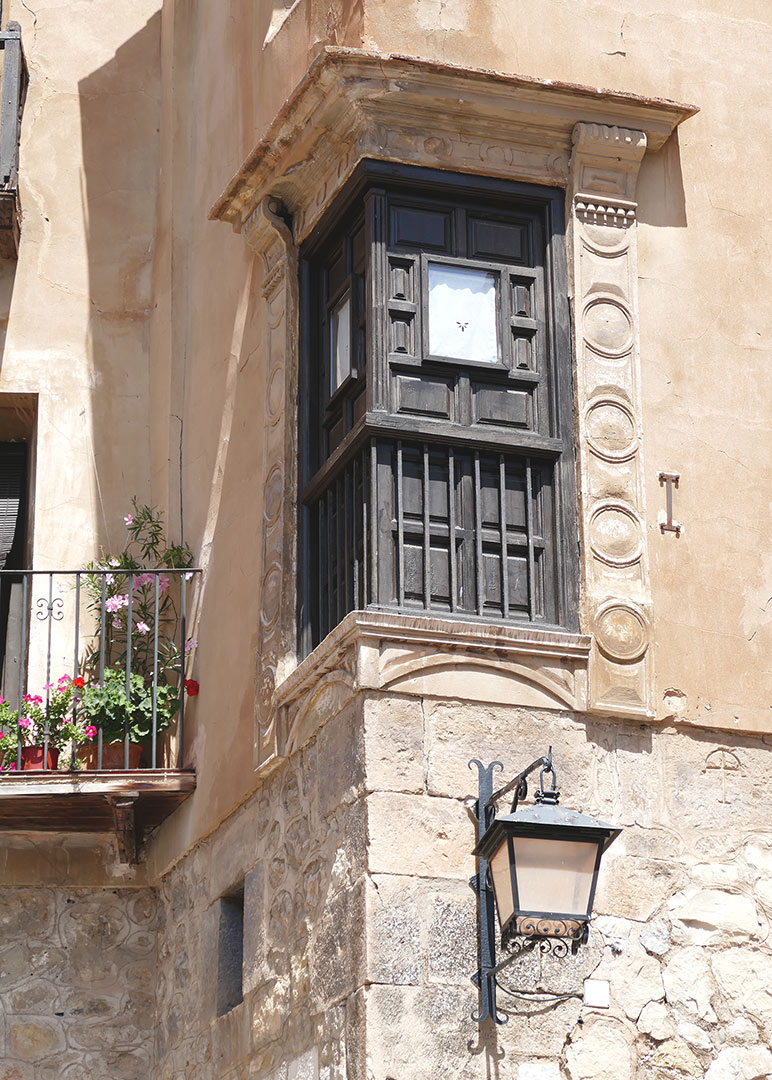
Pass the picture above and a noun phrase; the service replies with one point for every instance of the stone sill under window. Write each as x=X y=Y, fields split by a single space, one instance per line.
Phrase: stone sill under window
x=426 y=656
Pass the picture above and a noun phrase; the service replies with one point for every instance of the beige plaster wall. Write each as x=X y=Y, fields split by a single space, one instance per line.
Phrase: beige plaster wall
x=75 y=305
x=226 y=71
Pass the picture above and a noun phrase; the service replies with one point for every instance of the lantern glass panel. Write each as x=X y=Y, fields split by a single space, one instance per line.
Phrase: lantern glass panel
x=554 y=875
x=502 y=883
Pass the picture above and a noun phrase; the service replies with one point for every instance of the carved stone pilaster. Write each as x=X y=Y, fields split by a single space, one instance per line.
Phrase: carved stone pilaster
x=271 y=238
x=602 y=247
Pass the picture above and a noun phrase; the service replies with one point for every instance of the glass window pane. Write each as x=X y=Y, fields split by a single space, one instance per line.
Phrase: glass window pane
x=462 y=313
x=502 y=883
x=340 y=342
x=554 y=875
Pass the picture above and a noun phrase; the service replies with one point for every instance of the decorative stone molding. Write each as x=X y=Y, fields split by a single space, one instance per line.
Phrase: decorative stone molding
x=602 y=250
x=353 y=104
x=271 y=238
x=420 y=655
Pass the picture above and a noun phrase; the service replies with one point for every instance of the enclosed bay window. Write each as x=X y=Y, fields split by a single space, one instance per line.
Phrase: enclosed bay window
x=436 y=407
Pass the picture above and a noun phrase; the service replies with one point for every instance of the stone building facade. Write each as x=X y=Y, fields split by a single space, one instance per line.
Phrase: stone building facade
x=306 y=913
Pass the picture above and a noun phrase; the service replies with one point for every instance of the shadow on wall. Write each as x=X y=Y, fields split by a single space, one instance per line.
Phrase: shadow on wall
x=660 y=191
x=120 y=119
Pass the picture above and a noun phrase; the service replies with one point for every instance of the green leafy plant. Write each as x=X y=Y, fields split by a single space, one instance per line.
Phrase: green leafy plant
x=136 y=615
x=106 y=705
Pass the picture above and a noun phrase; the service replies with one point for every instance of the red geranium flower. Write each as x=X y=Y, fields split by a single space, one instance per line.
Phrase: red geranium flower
x=191 y=686
x=79 y=682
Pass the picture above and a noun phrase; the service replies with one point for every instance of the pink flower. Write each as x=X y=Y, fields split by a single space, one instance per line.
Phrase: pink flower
x=113 y=562
x=142 y=627
x=33 y=700
x=189 y=575
x=90 y=731
x=143 y=579
x=49 y=686
x=163 y=583
x=25 y=722
x=190 y=645
x=128 y=520
x=12 y=767
x=115 y=603
x=109 y=579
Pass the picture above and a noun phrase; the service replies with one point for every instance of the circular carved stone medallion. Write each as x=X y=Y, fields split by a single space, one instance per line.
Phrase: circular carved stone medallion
x=611 y=429
x=275 y=394
x=272 y=493
x=621 y=631
x=271 y=596
x=616 y=534
x=608 y=328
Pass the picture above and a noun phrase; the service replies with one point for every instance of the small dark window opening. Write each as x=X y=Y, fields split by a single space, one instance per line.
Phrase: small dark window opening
x=436 y=426
x=230 y=991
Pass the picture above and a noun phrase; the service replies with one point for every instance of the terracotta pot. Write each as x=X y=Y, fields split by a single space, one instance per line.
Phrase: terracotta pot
x=112 y=755
x=32 y=757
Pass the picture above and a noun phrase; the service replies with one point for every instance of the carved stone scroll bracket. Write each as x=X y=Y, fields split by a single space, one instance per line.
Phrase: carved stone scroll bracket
x=123 y=807
x=270 y=236
x=616 y=600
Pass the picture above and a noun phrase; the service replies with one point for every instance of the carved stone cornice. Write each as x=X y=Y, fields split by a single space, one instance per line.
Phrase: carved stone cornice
x=353 y=104
x=423 y=655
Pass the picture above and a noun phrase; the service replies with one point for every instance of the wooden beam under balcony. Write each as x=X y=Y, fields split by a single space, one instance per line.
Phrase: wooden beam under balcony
x=128 y=802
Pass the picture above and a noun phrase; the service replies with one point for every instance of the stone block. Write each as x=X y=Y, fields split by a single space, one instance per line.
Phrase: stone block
x=676 y=1057
x=635 y=978
x=394 y=744
x=419 y=835
x=744 y=977
x=695 y=1036
x=305 y=1067
x=634 y=887
x=656 y=1021
x=603 y=1051
x=538 y=1070
x=337 y=945
x=253 y=970
x=689 y=984
x=710 y=916
x=16 y=1071
x=655 y=937
x=452 y=944
x=393 y=928
x=340 y=757
x=33 y=1040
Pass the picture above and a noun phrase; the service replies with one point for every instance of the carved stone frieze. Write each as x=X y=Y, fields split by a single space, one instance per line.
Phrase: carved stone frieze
x=602 y=251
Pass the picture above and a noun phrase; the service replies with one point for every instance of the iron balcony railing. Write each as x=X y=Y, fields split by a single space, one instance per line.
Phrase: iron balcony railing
x=111 y=642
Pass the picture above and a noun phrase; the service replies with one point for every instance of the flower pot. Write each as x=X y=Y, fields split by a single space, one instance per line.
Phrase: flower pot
x=112 y=755
x=32 y=757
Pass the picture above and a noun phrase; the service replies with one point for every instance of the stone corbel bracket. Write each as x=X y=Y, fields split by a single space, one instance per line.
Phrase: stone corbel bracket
x=602 y=250
x=353 y=104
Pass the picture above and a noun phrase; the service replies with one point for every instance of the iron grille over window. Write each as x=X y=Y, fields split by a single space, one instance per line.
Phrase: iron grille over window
x=436 y=464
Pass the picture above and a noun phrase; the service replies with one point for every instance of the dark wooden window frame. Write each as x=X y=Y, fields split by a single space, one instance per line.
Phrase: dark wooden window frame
x=349 y=482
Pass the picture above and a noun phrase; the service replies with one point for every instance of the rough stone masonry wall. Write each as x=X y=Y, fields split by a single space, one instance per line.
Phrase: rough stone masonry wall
x=77 y=983
x=360 y=923
x=299 y=848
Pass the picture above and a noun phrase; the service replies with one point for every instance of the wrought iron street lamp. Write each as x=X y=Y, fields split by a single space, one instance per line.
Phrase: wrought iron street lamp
x=541 y=866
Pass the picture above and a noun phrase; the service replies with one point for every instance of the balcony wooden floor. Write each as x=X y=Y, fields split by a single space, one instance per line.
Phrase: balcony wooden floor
x=129 y=802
